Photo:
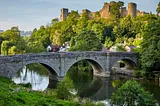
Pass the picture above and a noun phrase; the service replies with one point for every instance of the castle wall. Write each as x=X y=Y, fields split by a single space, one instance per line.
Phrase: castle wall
x=141 y=13
x=104 y=12
x=123 y=11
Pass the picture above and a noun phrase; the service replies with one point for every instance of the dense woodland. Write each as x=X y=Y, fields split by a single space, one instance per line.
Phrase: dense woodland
x=92 y=35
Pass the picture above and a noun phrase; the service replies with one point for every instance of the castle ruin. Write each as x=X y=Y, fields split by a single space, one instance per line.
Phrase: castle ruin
x=64 y=14
x=105 y=11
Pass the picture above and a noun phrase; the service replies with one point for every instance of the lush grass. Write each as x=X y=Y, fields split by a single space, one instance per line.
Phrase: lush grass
x=16 y=95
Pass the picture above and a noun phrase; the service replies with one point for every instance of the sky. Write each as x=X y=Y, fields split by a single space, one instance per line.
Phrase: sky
x=30 y=14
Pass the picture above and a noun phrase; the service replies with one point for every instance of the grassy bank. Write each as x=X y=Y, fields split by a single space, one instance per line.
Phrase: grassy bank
x=16 y=95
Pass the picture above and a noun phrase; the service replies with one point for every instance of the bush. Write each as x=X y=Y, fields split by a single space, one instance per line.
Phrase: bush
x=132 y=94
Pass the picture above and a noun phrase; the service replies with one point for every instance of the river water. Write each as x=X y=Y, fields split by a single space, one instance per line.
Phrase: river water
x=85 y=84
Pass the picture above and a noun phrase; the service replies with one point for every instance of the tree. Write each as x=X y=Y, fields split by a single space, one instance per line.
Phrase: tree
x=1 y=40
x=12 y=34
x=150 y=50
x=5 y=47
x=82 y=23
x=99 y=30
x=124 y=29
x=108 y=42
x=86 y=41
x=132 y=94
x=158 y=9
x=114 y=10
x=38 y=41
x=54 y=21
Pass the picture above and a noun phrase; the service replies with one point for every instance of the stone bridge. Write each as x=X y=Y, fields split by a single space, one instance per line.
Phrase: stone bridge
x=59 y=63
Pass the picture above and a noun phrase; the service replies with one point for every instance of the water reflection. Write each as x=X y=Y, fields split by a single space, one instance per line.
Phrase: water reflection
x=34 y=74
x=85 y=85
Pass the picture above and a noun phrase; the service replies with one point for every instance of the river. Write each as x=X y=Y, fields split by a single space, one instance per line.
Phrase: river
x=85 y=84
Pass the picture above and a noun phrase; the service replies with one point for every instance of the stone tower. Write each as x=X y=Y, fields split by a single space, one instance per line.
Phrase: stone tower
x=64 y=14
x=104 y=12
x=132 y=9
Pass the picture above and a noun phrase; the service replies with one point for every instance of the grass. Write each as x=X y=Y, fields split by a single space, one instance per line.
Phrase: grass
x=17 y=95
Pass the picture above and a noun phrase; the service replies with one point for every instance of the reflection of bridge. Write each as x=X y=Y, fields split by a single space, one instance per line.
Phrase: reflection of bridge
x=60 y=63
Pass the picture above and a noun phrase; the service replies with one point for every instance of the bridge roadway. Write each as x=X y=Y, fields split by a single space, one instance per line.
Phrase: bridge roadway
x=60 y=62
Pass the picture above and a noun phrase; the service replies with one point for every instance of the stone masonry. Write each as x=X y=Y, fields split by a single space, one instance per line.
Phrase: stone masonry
x=105 y=11
x=101 y=62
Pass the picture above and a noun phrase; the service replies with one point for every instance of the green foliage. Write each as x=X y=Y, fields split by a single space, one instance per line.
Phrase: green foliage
x=5 y=47
x=124 y=28
x=15 y=95
x=35 y=47
x=114 y=10
x=63 y=88
x=12 y=34
x=54 y=21
x=12 y=42
x=132 y=94
x=86 y=41
x=120 y=48
x=38 y=41
x=139 y=73
x=99 y=30
x=150 y=53
x=158 y=9
x=108 y=42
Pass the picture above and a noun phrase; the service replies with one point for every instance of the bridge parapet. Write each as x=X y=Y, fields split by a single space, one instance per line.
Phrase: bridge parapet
x=60 y=62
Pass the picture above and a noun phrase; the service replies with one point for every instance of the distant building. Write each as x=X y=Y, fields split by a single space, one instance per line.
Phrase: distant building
x=105 y=11
x=129 y=48
x=64 y=14
x=132 y=9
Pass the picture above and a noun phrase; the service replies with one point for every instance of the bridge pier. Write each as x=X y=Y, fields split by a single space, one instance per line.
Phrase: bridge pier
x=60 y=63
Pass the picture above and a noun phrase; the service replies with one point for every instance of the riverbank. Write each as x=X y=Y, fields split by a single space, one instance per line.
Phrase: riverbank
x=16 y=95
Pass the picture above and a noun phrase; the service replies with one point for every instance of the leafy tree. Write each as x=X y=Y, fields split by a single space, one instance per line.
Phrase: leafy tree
x=108 y=42
x=158 y=9
x=99 y=30
x=63 y=88
x=132 y=94
x=38 y=41
x=82 y=23
x=35 y=47
x=114 y=10
x=12 y=34
x=86 y=41
x=124 y=29
x=150 y=51
x=21 y=46
x=13 y=43
x=5 y=47
x=54 y=21
x=12 y=50
x=1 y=40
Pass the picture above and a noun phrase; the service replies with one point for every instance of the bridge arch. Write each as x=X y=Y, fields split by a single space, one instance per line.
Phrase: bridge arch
x=96 y=65
x=131 y=63
x=51 y=69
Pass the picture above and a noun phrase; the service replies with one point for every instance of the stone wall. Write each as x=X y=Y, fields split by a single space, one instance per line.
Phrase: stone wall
x=105 y=11
x=61 y=62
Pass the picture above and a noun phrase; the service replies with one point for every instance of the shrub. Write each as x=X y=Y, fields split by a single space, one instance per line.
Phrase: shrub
x=132 y=94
